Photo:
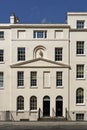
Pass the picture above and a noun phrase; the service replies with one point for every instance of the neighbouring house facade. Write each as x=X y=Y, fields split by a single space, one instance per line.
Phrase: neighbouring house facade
x=43 y=69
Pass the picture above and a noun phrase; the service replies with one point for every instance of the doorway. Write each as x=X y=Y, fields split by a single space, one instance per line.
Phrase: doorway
x=46 y=106
x=59 y=106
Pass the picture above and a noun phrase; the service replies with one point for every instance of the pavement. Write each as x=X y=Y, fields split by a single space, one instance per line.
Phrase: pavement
x=42 y=123
x=38 y=125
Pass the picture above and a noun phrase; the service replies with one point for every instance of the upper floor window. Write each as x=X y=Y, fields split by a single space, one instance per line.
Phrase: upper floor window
x=1 y=55
x=33 y=79
x=80 y=47
x=1 y=79
x=58 y=54
x=21 y=54
x=1 y=34
x=59 y=78
x=20 y=78
x=80 y=71
x=80 y=24
x=40 y=34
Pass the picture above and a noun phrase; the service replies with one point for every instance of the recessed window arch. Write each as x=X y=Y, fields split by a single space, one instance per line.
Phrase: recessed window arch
x=59 y=98
x=80 y=95
x=39 y=52
x=46 y=98
x=33 y=103
x=20 y=103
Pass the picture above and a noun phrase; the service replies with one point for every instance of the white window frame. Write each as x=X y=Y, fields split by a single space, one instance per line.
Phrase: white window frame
x=20 y=79
x=79 y=96
x=80 y=116
x=80 y=71
x=80 y=24
x=1 y=34
x=33 y=78
x=40 y=34
x=21 y=55
x=33 y=103
x=1 y=55
x=1 y=79
x=59 y=54
x=20 y=103
x=80 y=48
x=59 y=79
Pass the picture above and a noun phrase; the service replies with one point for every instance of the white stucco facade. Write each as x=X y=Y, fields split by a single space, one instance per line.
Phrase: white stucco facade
x=55 y=81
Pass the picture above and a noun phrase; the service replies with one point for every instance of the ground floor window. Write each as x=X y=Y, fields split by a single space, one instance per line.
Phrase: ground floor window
x=20 y=103
x=33 y=103
x=80 y=116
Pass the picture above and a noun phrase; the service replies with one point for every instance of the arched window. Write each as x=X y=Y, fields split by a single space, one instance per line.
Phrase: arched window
x=33 y=103
x=79 y=95
x=20 y=103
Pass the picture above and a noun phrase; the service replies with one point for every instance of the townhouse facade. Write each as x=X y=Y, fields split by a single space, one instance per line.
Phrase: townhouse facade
x=43 y=69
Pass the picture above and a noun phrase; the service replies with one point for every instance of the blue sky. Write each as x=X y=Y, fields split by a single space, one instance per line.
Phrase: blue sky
x=40 y=11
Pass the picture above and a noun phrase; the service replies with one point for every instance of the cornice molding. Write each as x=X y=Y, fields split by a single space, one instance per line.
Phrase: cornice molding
x=10 y=26
x=78 y=30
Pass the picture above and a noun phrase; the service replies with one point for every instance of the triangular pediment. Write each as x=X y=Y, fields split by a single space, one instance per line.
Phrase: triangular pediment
x=39 y=63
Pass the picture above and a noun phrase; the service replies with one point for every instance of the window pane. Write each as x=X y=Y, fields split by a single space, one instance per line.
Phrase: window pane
x=80 y=71
x=59 y=79
x=21 y=54
x=80 y=95
x=40 y=34
x=33 y=78
x=58 y=54
x=1 y=34
x=80 y=24
x=1 y=79
x=20 y=78
x=33 y=103
x=80 y=47
x=1 y=55
x=80 y=116
x=20 y=103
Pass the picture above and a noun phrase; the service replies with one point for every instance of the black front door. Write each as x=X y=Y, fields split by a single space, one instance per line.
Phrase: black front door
x=59 y=108
x=46 y=108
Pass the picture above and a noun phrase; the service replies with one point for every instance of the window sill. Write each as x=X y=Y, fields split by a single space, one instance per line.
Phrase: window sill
x=80 y=55
x=33 y=111
x=2 y=39
x=80 y=79
x=59 y=87
x=20 y=87
x=2 y=62
x=58 y=60
x=46 y=87
x=80 y=104
x=33 y=87
x=39 y=38
x=1 y=88
x=20 y=111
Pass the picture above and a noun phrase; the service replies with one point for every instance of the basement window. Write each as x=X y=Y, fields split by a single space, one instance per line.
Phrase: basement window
x=79 y=116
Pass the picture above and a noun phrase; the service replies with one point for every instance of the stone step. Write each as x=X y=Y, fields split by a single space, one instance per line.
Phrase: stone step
x=52 y=119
